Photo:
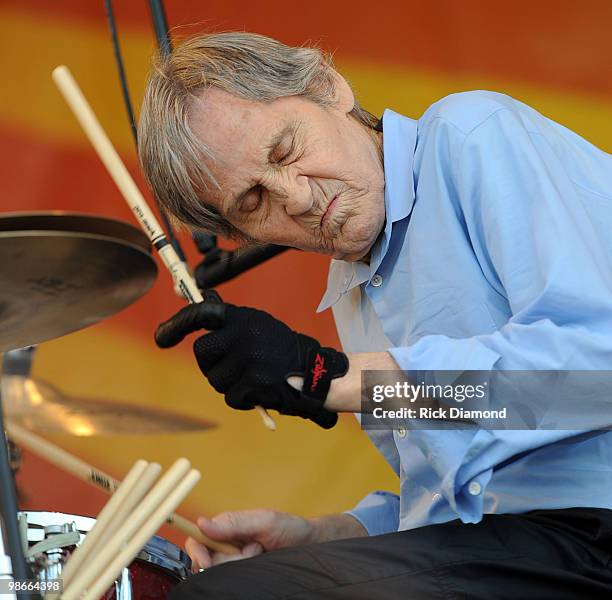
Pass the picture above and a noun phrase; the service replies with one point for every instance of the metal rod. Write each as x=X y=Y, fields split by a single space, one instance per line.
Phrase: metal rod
x=8 y=502
x=220 y=266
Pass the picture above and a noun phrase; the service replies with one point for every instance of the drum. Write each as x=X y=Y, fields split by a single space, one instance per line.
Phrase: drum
x=52 y=537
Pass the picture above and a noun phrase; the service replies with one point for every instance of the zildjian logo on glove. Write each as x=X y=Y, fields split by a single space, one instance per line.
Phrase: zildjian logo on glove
x=317 y=372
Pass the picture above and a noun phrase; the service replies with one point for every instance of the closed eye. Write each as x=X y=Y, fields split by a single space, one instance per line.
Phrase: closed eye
x=292 y=156
x=251 y=200
x=286 y=156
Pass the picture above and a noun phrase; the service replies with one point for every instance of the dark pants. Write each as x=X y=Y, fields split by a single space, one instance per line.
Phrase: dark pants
x=540 y=555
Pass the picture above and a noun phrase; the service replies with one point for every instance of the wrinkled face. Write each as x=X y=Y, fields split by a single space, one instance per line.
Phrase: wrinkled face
x=293 y=173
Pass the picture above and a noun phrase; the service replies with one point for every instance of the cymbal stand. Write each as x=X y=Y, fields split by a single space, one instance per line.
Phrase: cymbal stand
x=13 y=565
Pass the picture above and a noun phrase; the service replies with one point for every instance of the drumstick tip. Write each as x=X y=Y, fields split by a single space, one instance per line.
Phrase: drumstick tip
x=266 y=418
x=59 y=72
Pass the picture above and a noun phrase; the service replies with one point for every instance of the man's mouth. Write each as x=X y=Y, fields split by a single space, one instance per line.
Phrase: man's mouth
x=328 y=210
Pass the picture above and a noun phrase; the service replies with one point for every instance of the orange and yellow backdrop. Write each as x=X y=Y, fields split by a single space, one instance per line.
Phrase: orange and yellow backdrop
x=403 y=54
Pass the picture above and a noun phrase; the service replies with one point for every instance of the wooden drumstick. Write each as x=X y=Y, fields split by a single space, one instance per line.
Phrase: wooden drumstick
x=161 y=490
x=106 y=574
x=137 y=493
x=84 y=114
x=103 y=520
x=85 y=472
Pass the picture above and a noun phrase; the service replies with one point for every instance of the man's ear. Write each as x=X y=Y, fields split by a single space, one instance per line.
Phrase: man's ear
x=344 y=99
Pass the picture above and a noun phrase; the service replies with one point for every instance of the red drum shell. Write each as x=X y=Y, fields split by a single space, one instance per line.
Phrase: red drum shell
x=149 y=582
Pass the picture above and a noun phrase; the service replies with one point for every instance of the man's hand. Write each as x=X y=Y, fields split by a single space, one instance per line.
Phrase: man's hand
x=248 y=355
x=257 y=531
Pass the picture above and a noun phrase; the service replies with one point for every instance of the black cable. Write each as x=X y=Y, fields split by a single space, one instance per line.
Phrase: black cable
x=160 y=24
x=108 y=7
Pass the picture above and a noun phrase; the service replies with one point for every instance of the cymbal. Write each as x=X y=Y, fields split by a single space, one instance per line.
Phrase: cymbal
x=61 y=272
x=61 y=220
x=39 y=406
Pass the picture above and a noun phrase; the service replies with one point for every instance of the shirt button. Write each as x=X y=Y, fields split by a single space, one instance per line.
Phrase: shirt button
x=474 y=488
x=436 y=497
x=401 y=432
x=377 y=280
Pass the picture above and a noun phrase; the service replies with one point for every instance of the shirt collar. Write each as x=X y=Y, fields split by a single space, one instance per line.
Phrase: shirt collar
x=399 y=143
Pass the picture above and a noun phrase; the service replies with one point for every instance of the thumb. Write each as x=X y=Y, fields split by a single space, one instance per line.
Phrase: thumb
x=202 y=315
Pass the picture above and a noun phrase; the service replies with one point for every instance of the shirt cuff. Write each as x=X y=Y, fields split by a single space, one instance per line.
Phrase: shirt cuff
x=378 y=513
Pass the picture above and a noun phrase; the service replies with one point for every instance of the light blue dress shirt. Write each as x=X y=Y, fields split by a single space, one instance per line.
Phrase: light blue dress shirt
x=496 y=254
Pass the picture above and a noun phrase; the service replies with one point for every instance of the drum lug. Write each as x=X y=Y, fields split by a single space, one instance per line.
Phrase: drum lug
x=123 y=586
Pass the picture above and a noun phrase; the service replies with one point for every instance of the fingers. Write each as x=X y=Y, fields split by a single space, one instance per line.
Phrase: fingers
x=252 y=549
x=248 y=393
x=239 y=527
x=222 y=374
x=226 y=527
x=212 y=352
x=200 y=556
x=203 y=558
x=237 y=397
x=202 y=315
x=249 y=551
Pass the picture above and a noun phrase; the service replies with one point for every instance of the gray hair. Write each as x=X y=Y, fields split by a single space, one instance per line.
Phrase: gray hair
x=247 y=65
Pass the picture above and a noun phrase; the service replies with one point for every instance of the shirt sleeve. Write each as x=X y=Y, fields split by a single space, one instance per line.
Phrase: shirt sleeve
x=536 y=241
x=378 y=512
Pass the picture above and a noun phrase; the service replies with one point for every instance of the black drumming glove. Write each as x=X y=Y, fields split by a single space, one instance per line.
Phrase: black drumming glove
x=248 y=355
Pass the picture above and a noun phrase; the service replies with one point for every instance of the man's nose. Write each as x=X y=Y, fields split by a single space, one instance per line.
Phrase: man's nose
x=294 y=192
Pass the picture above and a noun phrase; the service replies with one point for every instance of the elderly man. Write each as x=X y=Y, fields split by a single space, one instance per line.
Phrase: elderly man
x=477 y=237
